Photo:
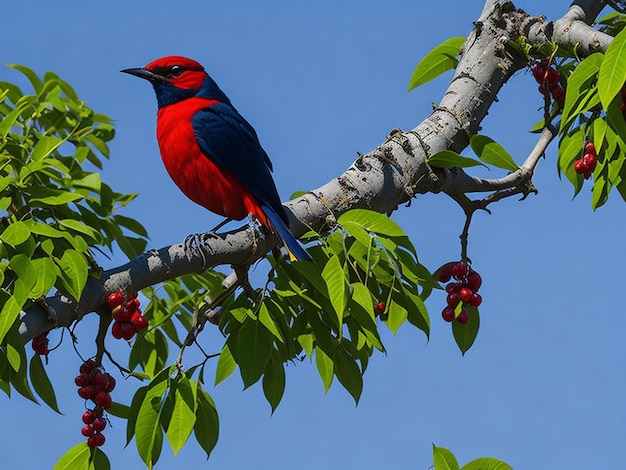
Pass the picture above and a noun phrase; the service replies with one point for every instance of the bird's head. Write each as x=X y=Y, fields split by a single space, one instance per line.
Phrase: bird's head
x=174 y=78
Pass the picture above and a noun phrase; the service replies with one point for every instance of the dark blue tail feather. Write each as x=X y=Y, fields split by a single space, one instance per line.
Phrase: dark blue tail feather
x=291 y=242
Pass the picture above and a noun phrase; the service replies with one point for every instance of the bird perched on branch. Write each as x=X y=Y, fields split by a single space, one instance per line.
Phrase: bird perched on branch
x=210 y=151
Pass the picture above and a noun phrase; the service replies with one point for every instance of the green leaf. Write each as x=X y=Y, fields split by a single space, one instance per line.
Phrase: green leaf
x=451 y=159
x=27 y=277
x=325 y=367
x=183 y=416
x=47 y=276
x=52 y=196
x=439 y=60
x=99 y=460
x=207 y=426
x=15 y=234
x=254 y=346
x=465 y=335
x=76 y=458
x=486 y=463
x=7 y=121
x=266 y=320
x=225 y=365
x=8 y=315
x=148 y=432
x=74 y=269
x=348 y=373
x=120 y=410
x=336 y=284
x=443 y=459
x=613 y=70
x=135 y=404
x=492 y=152
x=41 y=383
x=30 y=74
x=45 y=146
x=371 y=221
x=580 y=89
x=274 y=381
x=397 y=315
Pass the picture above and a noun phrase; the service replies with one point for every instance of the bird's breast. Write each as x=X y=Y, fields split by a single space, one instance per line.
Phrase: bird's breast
x=196 y=174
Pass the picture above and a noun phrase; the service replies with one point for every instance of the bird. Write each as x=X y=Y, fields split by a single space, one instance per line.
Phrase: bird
x=210 y=151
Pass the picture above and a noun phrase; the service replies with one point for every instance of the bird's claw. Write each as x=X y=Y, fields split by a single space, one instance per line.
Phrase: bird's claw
x=195 y=245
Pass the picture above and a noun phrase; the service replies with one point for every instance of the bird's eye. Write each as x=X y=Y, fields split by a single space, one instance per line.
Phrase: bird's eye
x=175 y=71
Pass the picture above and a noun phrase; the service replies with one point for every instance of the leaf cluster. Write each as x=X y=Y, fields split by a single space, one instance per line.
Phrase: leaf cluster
x=54 y=210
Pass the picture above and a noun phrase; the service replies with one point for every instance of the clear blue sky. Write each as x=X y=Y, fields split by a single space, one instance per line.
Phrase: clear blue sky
x=543 y=386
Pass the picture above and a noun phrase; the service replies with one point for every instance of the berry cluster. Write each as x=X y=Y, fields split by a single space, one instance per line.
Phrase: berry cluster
x=96 y=385
x=127 y=315
x=463 y=291
x=549 y=81
x=585 y=165
x=40 y=344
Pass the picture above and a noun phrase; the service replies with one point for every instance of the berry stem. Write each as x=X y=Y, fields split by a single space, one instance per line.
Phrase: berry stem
x=464 y=235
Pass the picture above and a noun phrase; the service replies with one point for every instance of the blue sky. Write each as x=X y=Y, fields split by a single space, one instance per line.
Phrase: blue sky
x=543 y=386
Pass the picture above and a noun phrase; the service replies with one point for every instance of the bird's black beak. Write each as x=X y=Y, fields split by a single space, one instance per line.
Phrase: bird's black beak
x=143 y=73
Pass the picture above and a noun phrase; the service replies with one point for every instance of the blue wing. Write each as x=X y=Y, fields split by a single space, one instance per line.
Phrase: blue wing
x=226 y=137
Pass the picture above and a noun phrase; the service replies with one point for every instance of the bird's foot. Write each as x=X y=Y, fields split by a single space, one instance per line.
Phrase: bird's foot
x=256 y=228
x=196 y=245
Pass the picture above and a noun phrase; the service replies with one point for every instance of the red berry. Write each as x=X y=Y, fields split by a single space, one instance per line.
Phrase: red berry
x=139 y=322
x=87 y=430
x=453 y=300
x=128 y=331
x=448 y=314
x=88 y=417
x=114 y=299
x=86 y=392
x=445 y=272
x=99 y=439
x=103 y=399
x=380 y=307
x=133 y=304
x=539 y=72
x=81 y=380
x=88 y=366
x=453 y=287
x=116 y=330
x=542 y=89
x=101 y=380
x=99 y=424
x=459 y=270
x=121 y=313
x=110 y=384
x=475 y=300
x=40 y=344
x=96 y=440
x=474 y=281
x=579 y=166
x=558 y=94
x=590 y=161
x=590 y=147
x=463 y=317
x=622 y=107
x=552 y=76
x=465 y=294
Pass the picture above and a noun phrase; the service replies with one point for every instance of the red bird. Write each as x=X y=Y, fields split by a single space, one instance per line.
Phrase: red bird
x=210 y=151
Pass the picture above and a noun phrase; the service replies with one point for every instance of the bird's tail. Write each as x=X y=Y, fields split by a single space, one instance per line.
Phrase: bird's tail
x=294 y=248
